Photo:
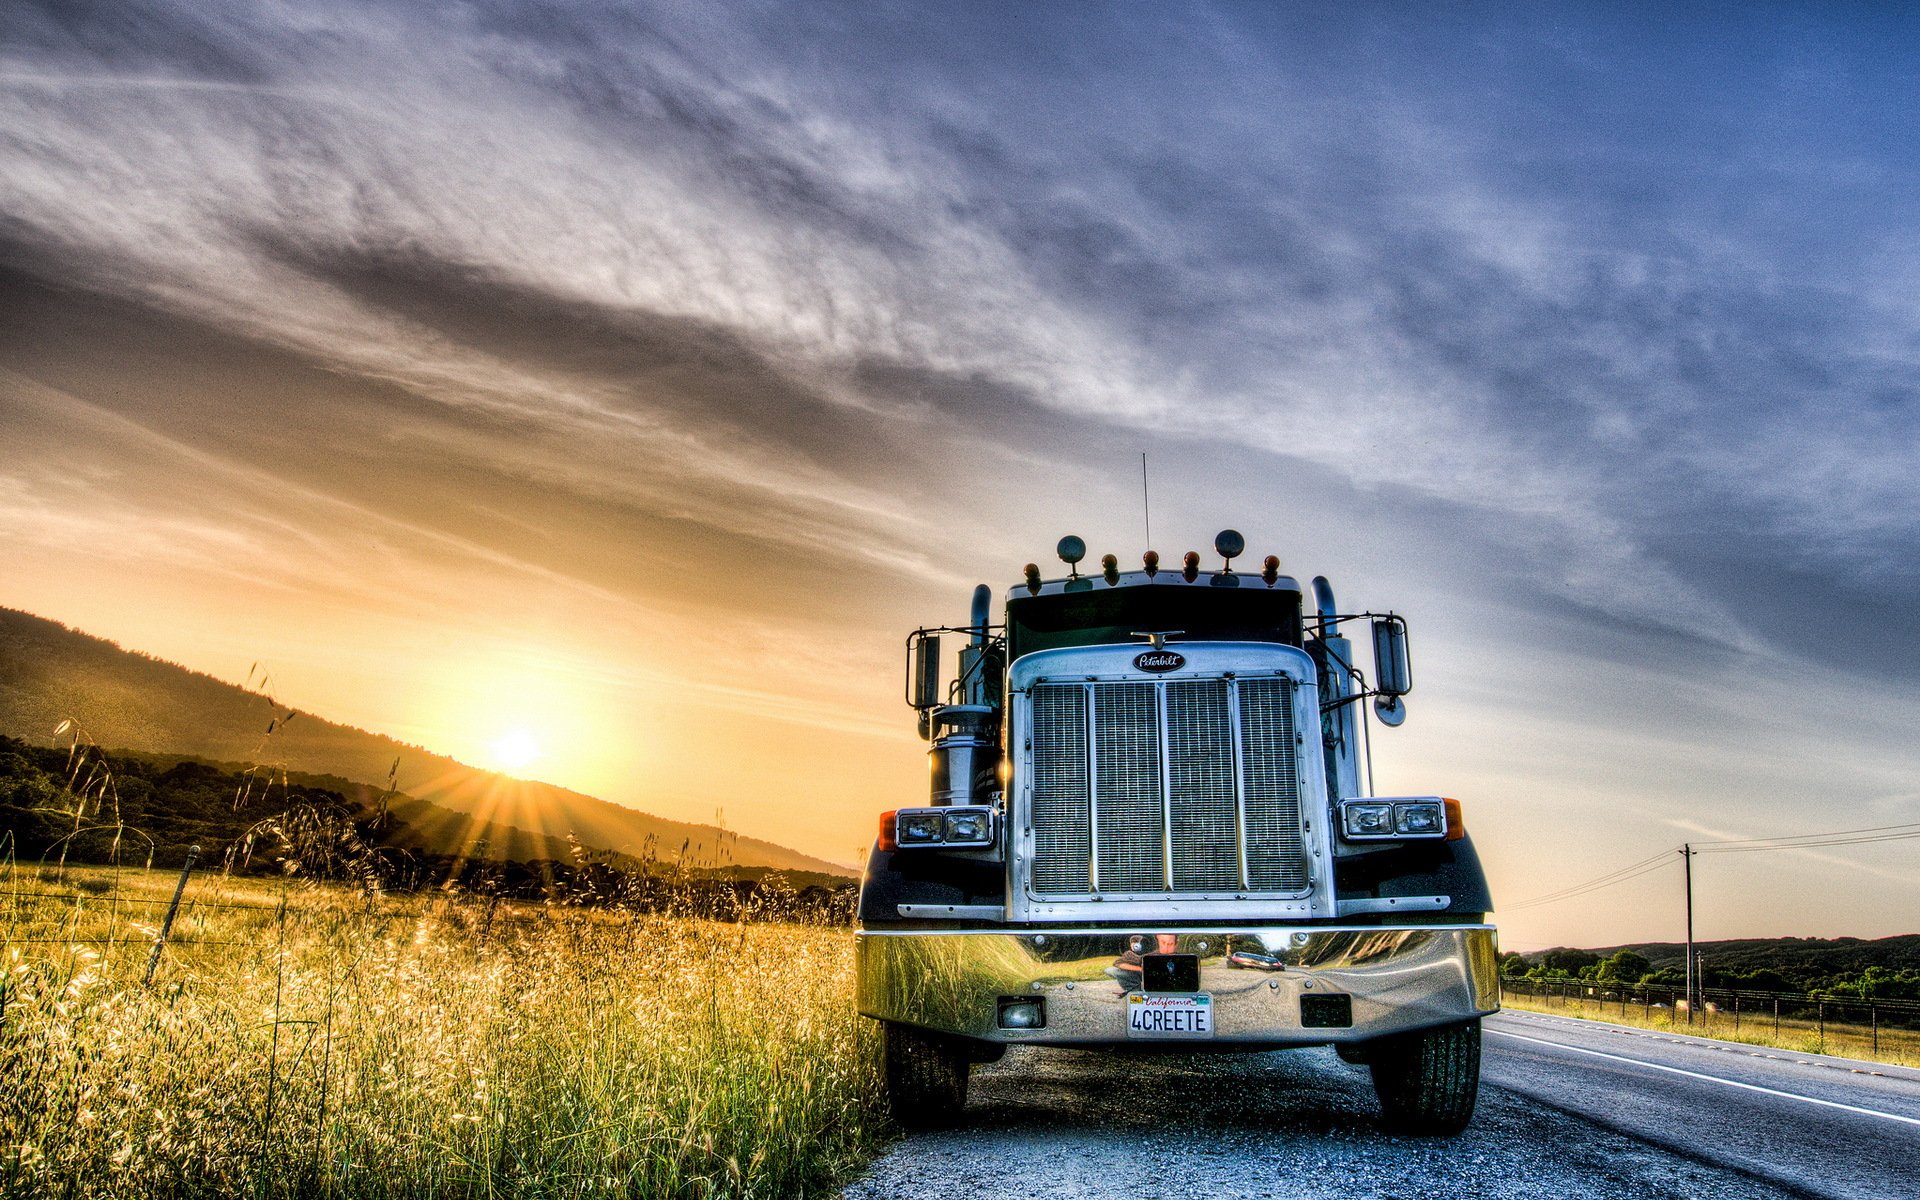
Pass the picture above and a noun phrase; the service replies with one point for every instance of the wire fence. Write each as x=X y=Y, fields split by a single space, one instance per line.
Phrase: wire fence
x=1810 y=1020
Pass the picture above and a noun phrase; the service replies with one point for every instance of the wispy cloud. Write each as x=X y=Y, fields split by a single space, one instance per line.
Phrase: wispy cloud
x=1592 y=374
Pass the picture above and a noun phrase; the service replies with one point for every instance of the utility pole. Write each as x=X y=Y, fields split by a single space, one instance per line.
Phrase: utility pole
x=1686 y=861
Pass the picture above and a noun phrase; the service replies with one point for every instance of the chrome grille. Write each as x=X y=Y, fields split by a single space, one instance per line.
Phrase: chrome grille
x=1276 y=859
x=1062 y=826
x=1201 y=805
x=1129 y=824
x=1166 y=786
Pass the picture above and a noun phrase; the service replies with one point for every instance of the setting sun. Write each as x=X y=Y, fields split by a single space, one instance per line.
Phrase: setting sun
x=514 y=750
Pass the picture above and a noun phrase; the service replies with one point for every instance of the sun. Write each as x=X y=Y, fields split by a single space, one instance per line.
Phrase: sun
x=515 y=750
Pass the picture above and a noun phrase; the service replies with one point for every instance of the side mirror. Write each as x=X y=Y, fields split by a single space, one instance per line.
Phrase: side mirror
x=1392 y=670
x=923 y=674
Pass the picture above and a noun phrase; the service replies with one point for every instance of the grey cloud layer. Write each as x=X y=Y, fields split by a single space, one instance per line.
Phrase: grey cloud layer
x=763 y=259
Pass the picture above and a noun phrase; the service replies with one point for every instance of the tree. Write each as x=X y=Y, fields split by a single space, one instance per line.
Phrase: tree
x=1568 y=962
x=1623 y=966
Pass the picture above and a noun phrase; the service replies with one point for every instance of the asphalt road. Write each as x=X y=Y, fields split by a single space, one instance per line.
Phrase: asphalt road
x=1809 y=1124
x=1568 y=1109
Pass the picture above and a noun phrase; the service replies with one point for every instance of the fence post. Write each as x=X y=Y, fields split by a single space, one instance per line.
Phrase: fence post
x=1736 y=1012
x=1776 y=1016
x=1873 y=1016
x=166 y=924
x=1822 y=1010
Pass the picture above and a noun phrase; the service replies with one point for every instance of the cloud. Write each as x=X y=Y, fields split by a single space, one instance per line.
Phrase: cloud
x=537 y=212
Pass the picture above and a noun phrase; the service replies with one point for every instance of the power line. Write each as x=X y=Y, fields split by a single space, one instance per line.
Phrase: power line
x=1598 y=883
x=1796 y=841
x=1815 y=843
x=1793 y=841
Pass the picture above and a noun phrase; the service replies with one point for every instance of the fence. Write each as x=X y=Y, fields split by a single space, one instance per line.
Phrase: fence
x=1813 y=1020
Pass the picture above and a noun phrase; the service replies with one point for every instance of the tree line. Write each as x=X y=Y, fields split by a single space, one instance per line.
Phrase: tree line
x=1630 y=968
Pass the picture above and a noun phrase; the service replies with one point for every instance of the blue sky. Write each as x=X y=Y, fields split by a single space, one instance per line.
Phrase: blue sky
x=668 y=363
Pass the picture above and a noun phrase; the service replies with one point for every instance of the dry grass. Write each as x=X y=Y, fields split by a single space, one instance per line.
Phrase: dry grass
x=410 y=1047
x=1890 y=1045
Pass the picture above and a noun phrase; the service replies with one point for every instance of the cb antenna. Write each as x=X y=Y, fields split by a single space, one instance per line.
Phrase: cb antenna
x=1146 y=506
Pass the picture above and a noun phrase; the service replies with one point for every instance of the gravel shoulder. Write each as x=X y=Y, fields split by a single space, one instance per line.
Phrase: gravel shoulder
x=1057 y=1124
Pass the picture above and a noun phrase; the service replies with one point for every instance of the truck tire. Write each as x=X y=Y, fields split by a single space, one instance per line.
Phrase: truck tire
x=1428 y=1081
x=1357 y=1053
x=926 y=1076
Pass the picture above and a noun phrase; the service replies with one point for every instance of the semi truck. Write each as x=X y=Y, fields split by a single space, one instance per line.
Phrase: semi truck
x=1151 y=826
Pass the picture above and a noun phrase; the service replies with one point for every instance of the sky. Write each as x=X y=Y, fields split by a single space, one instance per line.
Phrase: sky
x=604 y=390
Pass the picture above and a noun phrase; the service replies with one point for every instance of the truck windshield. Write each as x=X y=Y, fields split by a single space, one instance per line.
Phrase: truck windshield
x=1102 y=615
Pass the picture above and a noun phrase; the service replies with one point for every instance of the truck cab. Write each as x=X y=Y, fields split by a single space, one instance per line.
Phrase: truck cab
x=1150 y=821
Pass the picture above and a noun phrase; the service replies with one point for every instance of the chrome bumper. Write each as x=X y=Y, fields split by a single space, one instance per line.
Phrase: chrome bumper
x=1397 y=978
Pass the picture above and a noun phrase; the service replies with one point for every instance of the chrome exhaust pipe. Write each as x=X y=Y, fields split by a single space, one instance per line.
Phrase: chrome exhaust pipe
x=1323 y=600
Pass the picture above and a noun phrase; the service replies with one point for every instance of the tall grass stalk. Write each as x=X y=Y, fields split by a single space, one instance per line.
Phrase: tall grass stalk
x=347 y=1049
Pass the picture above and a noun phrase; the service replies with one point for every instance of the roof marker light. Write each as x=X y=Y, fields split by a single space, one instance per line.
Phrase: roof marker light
x=1229 y=545
x=1151 y=560
x=1191 y=570
x=1110 y=569
x=1270 y=570
x=1033 y=578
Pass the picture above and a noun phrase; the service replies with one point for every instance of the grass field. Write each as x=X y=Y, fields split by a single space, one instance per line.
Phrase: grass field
x=1899 y=1046
x=315 y=1042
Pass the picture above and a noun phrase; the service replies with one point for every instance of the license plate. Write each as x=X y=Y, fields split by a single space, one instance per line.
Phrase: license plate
x=1169 y=1017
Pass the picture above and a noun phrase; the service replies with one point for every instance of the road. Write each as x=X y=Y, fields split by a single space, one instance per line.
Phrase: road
x=1568 y=1109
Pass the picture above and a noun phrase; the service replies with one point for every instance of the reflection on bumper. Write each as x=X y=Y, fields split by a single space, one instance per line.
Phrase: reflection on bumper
x=1398 y=979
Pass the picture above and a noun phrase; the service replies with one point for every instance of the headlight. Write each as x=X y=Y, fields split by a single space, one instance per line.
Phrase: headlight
x=1365 y=820
x=1372 y=819
x=968 y=826
x=1424 y=819
x=959 y=827
x=919 y=828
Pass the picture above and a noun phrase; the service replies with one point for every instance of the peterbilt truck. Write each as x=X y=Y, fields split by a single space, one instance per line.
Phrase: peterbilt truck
x=1150 y=827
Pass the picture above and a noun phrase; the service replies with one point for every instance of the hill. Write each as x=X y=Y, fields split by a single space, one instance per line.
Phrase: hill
x=1768 y=963
x=127 y=700
x=1795 y=958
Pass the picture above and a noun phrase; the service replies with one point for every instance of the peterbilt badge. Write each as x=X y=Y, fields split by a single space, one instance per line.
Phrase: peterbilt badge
x=1159 y=661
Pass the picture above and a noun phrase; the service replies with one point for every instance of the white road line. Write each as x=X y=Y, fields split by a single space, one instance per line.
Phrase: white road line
x=1751 y=1087
x=1825 y=1063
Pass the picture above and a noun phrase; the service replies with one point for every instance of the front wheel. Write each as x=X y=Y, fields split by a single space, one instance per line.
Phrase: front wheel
x=1357 y=1053
x=926 y=1076
x=1428 y=1081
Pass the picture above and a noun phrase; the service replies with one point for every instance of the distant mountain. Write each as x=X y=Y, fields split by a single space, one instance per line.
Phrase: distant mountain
x=127 y=700
x=143 y=812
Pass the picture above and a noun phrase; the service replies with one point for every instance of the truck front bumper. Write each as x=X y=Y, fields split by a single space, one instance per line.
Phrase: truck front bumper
x=1394 y=978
